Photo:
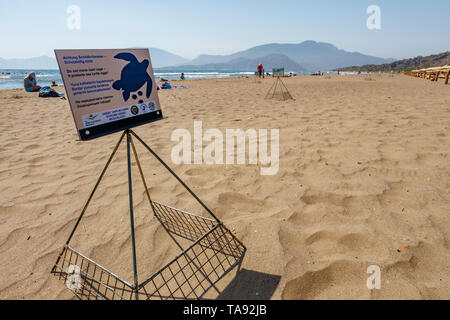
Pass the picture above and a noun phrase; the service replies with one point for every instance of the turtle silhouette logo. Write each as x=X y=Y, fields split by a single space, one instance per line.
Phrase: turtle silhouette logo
x=133 y=76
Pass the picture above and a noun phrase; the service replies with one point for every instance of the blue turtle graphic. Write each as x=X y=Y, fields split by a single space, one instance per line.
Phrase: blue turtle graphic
x=133 y=76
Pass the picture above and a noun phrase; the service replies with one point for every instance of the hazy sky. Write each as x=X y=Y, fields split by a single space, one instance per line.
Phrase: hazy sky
x=189 y=28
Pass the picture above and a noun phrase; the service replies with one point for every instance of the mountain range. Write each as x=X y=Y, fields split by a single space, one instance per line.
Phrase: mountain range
x=160 y=58
x=304 y=56
x=309 y=55
x=42 y=62
x=245 y=64
x=420 y=62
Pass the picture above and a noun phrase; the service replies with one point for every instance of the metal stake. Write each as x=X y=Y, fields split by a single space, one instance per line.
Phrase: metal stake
x=176 y=177
x=95 y=187
x=130 y=193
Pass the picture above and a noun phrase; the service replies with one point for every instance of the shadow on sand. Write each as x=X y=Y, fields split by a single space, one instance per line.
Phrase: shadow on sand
x=250 y=285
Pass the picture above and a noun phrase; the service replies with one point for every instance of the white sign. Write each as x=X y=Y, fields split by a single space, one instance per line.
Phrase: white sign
x=109 y=90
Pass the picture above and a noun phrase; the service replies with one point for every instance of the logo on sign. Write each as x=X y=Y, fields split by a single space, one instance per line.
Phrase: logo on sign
x=134 y=110
x=133 y=76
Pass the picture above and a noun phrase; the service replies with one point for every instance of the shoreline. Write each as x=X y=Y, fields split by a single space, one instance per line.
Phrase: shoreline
x=298 y=74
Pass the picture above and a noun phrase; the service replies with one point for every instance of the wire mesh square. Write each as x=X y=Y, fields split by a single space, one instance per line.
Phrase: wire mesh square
x=88 y=280
x=213 y=253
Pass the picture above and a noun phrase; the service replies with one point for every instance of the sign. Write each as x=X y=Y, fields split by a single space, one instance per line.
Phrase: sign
x=278 y=72
x=109 y=90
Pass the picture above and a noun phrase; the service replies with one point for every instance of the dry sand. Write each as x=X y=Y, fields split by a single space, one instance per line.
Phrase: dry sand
x=364 y=180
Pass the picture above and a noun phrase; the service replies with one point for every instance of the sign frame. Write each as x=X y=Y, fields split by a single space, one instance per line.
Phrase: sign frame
x=120 y=113
x=278 y=72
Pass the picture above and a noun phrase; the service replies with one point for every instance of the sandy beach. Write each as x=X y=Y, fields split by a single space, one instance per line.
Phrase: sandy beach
x=364 y=179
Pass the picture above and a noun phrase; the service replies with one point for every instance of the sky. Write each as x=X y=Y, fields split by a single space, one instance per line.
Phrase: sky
x=409 y=28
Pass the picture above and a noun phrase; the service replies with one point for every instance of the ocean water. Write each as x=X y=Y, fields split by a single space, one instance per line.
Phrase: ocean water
x=192 y=75
x=13 y=78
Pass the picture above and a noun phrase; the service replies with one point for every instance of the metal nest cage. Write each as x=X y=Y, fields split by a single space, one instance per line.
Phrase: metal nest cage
x=279 y=91
x=213 y=252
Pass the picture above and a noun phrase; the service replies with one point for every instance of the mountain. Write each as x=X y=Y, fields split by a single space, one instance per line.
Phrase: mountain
x=43 y=62
x=246 y=64
x=160 y=58
x=419 y=62
x=310 y=54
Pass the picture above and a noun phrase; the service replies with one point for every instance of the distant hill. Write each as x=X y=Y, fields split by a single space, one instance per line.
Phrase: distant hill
x=305 y=56
x=43 y=62
x=160 y=58
x=419 y=62
x=245 y=64
x=311 y=55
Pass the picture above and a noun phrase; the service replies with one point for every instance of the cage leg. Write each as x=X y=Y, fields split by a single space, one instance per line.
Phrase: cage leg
x=95 y=187
x=141 y=172
x=130 y=193
x=176 y=177
x=270 y=90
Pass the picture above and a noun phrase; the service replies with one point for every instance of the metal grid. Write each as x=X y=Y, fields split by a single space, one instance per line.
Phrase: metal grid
x=279 y=91
x=88 y=280
x=197 y=269
x=215 y=251
x=181 y=223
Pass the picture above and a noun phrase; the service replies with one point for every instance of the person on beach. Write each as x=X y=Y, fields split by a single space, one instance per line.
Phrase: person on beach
x=260 y=70
x=182 y=76
x=29 y=83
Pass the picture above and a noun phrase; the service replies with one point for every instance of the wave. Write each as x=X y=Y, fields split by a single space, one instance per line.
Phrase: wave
x=13 y=78
x=52 y=75
x=201 y=74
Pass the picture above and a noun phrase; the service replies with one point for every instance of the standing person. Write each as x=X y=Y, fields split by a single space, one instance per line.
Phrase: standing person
x=182 y=76
x=29 y=83
x=260 y=70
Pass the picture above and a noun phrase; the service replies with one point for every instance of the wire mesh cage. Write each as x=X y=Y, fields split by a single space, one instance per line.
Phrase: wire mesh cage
x=212 y=252
x=279 y=91
x=89 y=280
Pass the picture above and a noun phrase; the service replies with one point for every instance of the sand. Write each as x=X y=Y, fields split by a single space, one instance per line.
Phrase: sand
x=364 y=180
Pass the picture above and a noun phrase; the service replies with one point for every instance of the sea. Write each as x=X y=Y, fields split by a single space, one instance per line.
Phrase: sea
x=13 y=78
